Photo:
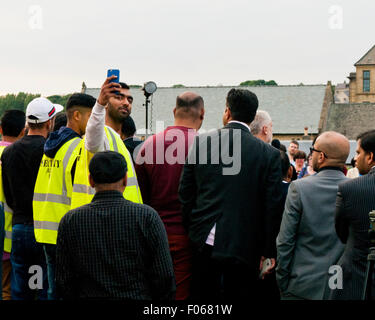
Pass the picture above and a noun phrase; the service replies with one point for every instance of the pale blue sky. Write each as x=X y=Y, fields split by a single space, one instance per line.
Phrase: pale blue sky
x=195 y=42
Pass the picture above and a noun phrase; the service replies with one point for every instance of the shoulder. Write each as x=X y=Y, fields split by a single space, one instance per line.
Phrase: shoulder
x=351 y=184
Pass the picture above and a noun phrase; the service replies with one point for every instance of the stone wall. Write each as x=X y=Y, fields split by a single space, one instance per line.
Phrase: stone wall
x=350 y=119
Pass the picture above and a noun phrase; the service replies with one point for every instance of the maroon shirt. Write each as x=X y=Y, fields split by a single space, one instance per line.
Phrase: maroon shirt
x=163 y=156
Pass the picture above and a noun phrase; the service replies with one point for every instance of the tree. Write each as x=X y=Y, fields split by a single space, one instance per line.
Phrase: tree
x=260 y=82
x=19 y=101
x=59 y=99
x=178 y=86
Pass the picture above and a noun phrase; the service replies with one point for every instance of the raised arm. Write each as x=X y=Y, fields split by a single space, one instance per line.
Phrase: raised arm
x=95 y=135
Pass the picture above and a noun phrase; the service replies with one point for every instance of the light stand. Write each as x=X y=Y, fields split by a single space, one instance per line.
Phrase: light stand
x=148 y=88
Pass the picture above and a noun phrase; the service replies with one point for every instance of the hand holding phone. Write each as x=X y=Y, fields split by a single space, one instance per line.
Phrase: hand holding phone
x=114 y=72
x=108 y=88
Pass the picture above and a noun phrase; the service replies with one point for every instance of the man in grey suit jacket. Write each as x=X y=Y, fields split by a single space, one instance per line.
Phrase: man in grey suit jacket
x=307 y=245
x=355 y=199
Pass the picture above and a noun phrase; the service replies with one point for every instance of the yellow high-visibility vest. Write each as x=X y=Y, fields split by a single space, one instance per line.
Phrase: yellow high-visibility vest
x=8 y=213
x=83 y=192
x=53 y=191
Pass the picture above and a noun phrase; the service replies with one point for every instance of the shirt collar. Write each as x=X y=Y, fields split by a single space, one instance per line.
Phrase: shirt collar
x=243 y=123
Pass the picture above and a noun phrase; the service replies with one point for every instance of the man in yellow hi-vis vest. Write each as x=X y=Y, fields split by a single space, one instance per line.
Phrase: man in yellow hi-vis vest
x=12 y=128
x=103 y=133
x=54 y=184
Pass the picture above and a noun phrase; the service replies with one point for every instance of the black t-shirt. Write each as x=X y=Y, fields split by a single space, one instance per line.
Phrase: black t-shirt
x=20 y=165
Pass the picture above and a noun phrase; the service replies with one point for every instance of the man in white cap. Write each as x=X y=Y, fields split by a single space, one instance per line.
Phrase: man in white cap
x=20 y=165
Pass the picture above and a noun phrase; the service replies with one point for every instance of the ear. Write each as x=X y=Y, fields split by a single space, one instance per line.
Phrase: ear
x=77 y=115
x=22 y=133
x=371 y=158
x=174 y=111
x=265 y=130
x=91 y=181
x=125 y=180
x=1 y=130
x=202 y=114
x=228 y=114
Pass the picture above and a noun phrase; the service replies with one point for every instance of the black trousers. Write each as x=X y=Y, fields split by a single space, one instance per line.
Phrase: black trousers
x=229 y=280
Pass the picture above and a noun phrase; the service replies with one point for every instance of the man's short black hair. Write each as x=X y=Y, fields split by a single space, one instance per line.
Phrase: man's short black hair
x=60 y=121
x=124 y=85
x=285 y=163
x=12 y=122
x=367 y=141
x=80 y=100
x=243 y=105
x=128 y=127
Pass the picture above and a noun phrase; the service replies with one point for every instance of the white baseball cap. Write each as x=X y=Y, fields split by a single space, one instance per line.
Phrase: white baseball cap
x=41 y=110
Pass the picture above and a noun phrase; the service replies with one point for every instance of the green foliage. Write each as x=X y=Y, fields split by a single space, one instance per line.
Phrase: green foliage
x=260 y=82
x=178 y=86
x=59 y=99
x=136 y=86
x=21 y=100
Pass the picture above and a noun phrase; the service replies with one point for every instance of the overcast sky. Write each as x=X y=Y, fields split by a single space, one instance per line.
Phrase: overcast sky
x=50 y=46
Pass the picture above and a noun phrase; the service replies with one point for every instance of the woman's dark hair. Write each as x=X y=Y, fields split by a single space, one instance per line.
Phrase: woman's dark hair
x=299 y=155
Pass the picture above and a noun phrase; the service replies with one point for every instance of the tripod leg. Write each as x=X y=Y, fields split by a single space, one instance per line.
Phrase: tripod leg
x=366 y=295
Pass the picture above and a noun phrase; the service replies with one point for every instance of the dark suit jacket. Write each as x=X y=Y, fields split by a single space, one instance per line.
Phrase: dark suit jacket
x=355 y=199
x=112 y=248
x=242 y=197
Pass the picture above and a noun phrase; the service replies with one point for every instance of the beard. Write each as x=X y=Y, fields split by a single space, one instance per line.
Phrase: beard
x=116 y=115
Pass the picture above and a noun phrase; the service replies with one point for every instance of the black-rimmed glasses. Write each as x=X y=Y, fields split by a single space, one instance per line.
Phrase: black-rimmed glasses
x=312 y=149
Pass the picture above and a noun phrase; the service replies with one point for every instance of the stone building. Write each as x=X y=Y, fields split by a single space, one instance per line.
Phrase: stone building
x=358 y=116
x=342 y=93
x=362 y=82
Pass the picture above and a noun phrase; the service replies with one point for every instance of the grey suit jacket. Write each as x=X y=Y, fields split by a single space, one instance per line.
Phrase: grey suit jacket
x=355 y=199
x=307 y=245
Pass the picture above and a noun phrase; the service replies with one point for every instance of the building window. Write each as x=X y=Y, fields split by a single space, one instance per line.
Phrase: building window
x=366 y=81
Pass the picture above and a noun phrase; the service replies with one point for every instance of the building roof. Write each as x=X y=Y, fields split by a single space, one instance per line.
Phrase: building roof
x=367 y=59
x=351 y=119
x=291 y=107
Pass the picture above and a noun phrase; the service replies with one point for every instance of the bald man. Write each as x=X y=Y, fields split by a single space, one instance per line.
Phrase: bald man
x=307 y=245
x=159 y=164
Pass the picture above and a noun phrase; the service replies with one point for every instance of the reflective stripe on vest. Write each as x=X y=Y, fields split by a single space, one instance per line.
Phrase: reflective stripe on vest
x=8 y=214
x=83 y=192
x=53 y=191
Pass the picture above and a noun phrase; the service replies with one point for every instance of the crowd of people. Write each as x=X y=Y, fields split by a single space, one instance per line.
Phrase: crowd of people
x=90 y=211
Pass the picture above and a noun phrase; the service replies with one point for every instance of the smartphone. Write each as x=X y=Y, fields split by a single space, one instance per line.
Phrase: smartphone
x=114 y=72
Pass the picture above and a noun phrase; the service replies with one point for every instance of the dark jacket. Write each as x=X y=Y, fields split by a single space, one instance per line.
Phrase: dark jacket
x=355 y=199
x=241 y=196
x=20 y=164
x=112 y=248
